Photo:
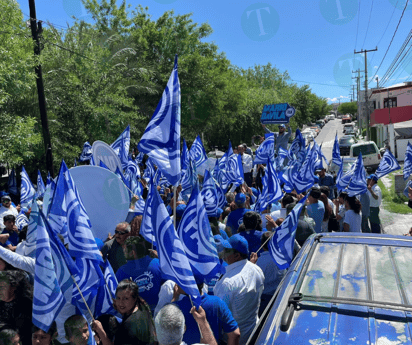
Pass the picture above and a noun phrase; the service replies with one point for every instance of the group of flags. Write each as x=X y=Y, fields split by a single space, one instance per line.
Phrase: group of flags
x=80 y=277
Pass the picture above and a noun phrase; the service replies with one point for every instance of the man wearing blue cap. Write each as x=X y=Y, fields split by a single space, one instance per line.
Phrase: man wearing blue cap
x=281 y=138
x=235 y=218
x=375 y=200
x=241 y=286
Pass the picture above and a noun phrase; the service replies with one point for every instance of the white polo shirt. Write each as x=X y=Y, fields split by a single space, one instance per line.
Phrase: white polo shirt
x=247 y=163
x=373 y=202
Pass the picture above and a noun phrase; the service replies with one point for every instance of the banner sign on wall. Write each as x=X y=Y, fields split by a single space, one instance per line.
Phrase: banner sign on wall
x=277 y=113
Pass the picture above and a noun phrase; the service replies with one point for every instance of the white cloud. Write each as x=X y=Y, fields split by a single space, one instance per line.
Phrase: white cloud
x=375 y=67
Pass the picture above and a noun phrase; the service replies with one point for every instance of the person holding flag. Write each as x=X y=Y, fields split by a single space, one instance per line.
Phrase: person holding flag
x=375 y=197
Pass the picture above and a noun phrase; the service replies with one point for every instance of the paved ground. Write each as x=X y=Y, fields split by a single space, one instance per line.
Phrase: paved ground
x=393 y=223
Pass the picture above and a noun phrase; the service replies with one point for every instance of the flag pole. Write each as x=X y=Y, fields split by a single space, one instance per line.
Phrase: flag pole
x=78 y=288
x=200 y=331
x=265 y=242
x=174 y=205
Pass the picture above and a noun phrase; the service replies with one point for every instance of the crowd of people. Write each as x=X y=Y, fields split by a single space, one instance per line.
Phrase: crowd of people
x=151 y=309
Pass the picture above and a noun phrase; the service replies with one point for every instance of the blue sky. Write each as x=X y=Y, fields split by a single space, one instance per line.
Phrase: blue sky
x=313 y=40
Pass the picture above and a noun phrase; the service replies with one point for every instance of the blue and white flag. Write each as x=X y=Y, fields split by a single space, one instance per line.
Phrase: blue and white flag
x=305 y=177
x=184 y=157
x=137 y=189
x=146 y=228
x=102 y=165
x=198 y=152
x=122 y=146
x=288 y=176
x=196 y=236
x=296 y=145
x=387 y=164
x=173 y=260
x=221 y=197
x=336 y=158
x=132 y=168
x=357 y=184
x=283 y=240
x=209 y=194
x=107 y=292
x=41 y=188
x=271 y=190
x=49 y=179
x=161 y=139
x=150 y=171
x=234 y=170
x=139 y=158
x=407 y=165
x=282 y=154
x=87 y=153
x=12 y=183
x=265 y=151
x=316 y=157
x=27 y=191
x=48 y=298
x=189 y=180
x=342 y=182
x=31 y=236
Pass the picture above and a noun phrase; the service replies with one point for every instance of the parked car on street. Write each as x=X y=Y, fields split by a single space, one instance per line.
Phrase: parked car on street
x=342 y=288
x=321 y=123
x=308 y=137
x=345 y=143
x=346 y=119
x=370 y=154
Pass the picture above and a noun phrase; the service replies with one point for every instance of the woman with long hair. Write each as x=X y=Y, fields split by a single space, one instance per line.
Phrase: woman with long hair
x=328 y=212
x=137 y=326
x=353 y=216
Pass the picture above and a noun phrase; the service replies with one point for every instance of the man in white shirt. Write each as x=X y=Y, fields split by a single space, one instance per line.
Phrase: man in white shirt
x=241 y=286
x=375 y=198
x=247 y=163
x=6 y=209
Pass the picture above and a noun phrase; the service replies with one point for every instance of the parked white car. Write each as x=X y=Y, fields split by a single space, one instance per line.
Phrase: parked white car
x=370 y=154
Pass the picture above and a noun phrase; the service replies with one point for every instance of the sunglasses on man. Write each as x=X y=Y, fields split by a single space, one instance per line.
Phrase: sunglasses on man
x=121 y=232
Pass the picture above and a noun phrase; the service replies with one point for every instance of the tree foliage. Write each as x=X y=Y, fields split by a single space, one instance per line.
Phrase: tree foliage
x=348 y=108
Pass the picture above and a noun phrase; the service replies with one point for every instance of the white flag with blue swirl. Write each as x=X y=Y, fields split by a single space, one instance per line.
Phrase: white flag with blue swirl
x=31 y=236
x=87 y=152
x=48 y=298
x=357 y=184
x=172 y=256
x=336 y=158
x=132 y=168
x=387 y=164
x=146 y=228
x=185 y=157
x=265 y=150
x=288 y=176
x=283 y=240
x=234 y=170
x=41 y=188
x=198 y=152
x=188 y=181
x=209 y=194
x=150 y=171
x=106 y=292
x=122 y=146
x=197 y=238
x=305 y=178
x=221 y=197
x=297 y=144
x=280 y=158
x=407 y=165
x=343 y=180
x=161 y=139
x=27 y=191
x=137 y=188
x=12 y=183
x=271 y=190
x=139 y=158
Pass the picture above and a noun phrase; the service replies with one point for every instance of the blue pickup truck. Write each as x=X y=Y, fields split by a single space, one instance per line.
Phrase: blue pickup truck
x=343 y=288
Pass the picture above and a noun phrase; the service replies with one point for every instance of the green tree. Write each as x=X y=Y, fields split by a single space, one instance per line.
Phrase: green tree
x=348 y=108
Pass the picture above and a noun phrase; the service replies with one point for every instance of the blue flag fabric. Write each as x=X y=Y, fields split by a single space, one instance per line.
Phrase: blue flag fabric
x=41 y=188
x=357 y=184
x=189 y=179
x=387 y=164
x=407 y=165
x=221 y=197
x=282 y=242
x=139 y=158
x=343 y=180
x=220 y=170
x=107 y=292
x=146 y=228
x=31 y=236
x=173 y=260
x=305 y=179
x=265 y=150
x=196 y=236
x=132 y=168
x=288 y=176
x=198 y=152
x=282 y=154
x=150 y=171
x=185 y=157
x=48 y=298
x=161 y=139
x=12 y=183
x=234 y=170
x=209 y=194
x=336 y=158
x=296 y=146
x=49 y=179
x=271 y=190
x=87 y=153
x=102 y=165
x=122 y=146
x=27 y=191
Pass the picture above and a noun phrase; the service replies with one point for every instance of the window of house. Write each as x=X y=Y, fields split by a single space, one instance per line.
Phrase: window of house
x=390 y=102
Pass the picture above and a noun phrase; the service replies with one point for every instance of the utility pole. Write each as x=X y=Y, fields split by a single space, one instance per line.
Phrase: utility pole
x=35 y=30
x=362 y=51
x=353 y=93
x=377 y=82
x=358 y=89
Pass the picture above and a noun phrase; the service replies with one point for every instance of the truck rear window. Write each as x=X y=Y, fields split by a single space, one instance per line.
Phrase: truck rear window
x=368 y=149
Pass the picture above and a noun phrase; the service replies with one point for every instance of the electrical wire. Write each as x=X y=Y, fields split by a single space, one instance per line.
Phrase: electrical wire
x=367 y=29
x=393 y=36
x=357 y=26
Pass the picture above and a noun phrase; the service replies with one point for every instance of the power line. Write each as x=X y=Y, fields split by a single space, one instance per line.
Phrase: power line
x=393 y=36
x=332 y=85
x=369 y=21
x=357 y=26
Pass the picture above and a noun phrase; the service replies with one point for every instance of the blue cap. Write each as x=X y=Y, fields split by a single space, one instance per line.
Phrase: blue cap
x=373 y=177
x=24 y=209
x=240 y=198
x=221 y=243
x=217 y=213
x=239 y=243
x=180 y=209
x=282 y=125
x=3 y=193
x=255 y=191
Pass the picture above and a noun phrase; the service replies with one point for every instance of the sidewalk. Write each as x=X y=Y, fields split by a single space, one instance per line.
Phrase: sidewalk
x=394 y=223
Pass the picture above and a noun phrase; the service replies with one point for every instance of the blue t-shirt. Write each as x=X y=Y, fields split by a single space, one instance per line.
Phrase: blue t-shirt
x=316 y=212
x=218 y=315
x=235 y=219
x=253 y=239
x=12 y=240
x=146 y=273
